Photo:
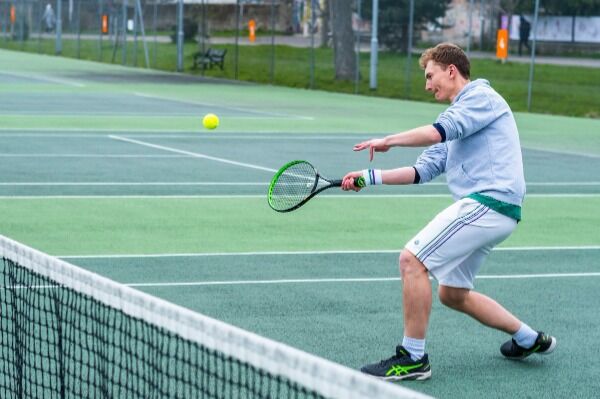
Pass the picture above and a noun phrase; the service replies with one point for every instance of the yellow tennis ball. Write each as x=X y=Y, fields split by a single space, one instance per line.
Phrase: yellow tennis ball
x=210 y=121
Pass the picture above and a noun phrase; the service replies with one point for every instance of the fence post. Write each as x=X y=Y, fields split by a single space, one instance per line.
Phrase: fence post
x=532 y=63
x=374 y=47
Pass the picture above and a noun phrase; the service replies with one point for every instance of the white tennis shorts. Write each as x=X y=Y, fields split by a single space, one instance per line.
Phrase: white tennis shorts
x=454 y=245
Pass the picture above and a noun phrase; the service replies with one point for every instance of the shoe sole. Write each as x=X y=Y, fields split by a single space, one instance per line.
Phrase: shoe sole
x=550 y=348
x=409 y=377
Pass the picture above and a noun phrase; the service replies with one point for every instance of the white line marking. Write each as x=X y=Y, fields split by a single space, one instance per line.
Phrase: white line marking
x=254 y=282
x=33 y=132
x=562 y=152
x=173 y=134
x=349 y=280
x=49 y=79
x=91 y=156
x=128 y=197
x=332 y=252
x=538 y=275
x=564 y=195
x=262 y=196
x=192 y=154
x=564 y=183
x=267 y=134
x=85 y=113
x=248 y=135
x=51 y=184
x=557 y=184
x=266 y=115
x=326 y=280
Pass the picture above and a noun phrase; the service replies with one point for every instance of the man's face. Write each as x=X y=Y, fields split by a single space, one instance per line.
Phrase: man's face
x=438 y=80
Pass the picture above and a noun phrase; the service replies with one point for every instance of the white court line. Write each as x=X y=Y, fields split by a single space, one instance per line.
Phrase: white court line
x=332 y=252
x=173 y=134
x=191 y=154
x=250 y=135
x=561 y=183
x=547 y=184
x=349 y=280
x=91 y=156
x=265 y=115
x=332 y=280
x=51 y=184
x=561 y=152
x=179 y=134
x=348 y=197
x=127 y=197
x=49 y=79
x=85 y=113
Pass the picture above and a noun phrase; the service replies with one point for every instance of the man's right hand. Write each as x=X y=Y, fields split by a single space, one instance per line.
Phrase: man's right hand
x=348 y=181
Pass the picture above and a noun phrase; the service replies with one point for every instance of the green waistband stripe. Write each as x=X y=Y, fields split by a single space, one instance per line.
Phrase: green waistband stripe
x=510 y=210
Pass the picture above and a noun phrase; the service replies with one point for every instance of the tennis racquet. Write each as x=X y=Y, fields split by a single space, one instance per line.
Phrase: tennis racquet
x=296 y=183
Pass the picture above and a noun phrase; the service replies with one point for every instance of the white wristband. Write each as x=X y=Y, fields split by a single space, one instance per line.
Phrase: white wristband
x=372 y=177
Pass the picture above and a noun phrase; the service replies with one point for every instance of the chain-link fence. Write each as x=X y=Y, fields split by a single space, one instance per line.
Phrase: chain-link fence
x=126 y=32
x=292 y=42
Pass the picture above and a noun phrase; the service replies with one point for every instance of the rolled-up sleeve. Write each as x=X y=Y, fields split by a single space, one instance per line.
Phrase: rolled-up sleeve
x=432 y=162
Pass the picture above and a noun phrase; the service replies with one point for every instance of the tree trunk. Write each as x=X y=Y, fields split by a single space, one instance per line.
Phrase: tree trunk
x=343 y=39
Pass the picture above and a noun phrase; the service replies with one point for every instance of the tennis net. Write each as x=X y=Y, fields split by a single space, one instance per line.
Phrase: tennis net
x=69 y=333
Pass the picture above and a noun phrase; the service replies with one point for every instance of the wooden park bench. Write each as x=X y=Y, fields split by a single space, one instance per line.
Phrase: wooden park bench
x=211 y=57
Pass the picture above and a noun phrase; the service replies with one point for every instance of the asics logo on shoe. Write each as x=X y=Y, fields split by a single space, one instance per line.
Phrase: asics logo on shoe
x=533 y=350
x=401 y=370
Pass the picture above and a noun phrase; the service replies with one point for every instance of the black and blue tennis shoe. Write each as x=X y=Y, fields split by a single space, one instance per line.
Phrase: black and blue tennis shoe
x=400 y=367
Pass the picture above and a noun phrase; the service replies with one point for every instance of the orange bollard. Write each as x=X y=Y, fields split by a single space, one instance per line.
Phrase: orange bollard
x=502 y=44
x=105 y=24
x=252 y=30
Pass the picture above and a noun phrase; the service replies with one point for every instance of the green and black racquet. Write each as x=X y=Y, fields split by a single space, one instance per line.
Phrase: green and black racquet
x=296 y=183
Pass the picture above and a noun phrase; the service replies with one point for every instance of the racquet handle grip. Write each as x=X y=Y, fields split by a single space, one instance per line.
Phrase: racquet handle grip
x=358 y=182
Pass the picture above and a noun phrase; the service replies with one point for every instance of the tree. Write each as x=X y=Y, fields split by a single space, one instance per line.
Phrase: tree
x=343 y=39
x=394 y=18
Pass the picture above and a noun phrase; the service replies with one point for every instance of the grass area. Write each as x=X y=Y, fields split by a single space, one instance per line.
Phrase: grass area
x=559 y=90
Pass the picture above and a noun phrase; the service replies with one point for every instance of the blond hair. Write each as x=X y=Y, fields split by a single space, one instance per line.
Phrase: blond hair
x=446 y=54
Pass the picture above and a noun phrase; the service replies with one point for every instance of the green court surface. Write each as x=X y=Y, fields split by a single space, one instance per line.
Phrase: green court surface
x=110 y=169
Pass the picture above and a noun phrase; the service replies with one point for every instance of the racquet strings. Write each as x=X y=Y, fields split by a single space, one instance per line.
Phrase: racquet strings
x=294 y=185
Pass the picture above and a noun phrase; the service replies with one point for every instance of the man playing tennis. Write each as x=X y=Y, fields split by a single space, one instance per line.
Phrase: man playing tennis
x=475 y=142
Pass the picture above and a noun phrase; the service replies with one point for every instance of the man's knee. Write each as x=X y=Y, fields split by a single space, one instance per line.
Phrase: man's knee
x=452 y=297
x=410 y=265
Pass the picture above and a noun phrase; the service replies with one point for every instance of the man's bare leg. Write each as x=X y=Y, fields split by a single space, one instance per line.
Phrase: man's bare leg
x=416 y=295
x=480 y=307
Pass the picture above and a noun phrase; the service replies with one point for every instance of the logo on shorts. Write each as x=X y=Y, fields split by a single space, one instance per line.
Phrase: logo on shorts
x=416 y=242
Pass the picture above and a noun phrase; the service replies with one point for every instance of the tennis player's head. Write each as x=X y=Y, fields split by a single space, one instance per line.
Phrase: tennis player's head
x=447 y=70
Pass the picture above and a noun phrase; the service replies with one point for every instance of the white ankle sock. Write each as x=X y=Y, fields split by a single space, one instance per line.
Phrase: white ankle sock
x=415 y=347
x=525 y=336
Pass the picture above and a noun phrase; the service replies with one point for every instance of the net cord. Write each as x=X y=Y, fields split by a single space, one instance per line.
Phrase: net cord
x=326 y=377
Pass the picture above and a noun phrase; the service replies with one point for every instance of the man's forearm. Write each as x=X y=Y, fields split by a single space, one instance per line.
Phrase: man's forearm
x=418 y=137
x=404 y=175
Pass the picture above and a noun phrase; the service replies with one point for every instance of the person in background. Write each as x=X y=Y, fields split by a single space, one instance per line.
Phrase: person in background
x=524 y=29
x=49 y=18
